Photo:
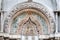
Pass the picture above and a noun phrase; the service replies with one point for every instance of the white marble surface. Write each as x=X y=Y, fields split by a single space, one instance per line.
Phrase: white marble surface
x=8 y=4
x=0 y=4
x=58 y=4
x=44 y=2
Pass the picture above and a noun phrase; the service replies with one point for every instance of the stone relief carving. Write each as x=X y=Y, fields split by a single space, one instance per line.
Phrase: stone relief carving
x=31 y=5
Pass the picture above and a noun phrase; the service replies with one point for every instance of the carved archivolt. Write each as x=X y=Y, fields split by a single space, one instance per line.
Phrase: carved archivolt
x=29 y=8
x=30 y=20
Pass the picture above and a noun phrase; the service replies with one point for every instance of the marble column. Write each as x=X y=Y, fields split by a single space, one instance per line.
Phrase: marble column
x=2 y=21
x=56 y=22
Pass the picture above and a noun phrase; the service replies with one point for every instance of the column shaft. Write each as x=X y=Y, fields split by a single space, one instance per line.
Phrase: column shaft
x=2 y=21
x=56 y=22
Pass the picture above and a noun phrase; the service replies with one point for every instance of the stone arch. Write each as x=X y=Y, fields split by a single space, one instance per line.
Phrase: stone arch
x=33 y=10
x=31 y=5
